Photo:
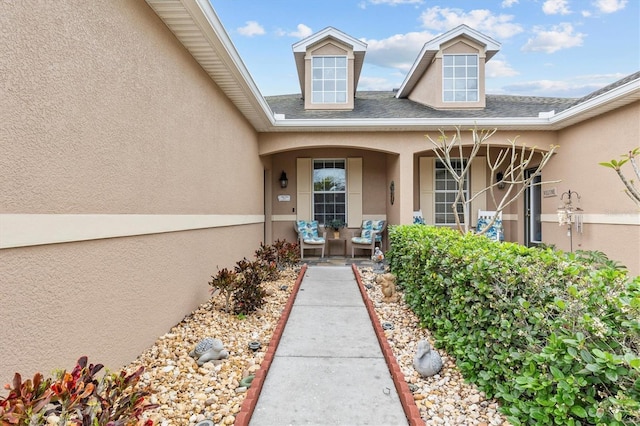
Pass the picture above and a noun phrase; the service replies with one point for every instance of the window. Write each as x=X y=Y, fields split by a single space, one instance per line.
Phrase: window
x=329 y=79
x=445 y=193
x=329 y=190
x=460 y=78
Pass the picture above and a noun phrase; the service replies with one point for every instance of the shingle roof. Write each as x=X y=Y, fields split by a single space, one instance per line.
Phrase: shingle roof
x=386 y=105
x=611 y=86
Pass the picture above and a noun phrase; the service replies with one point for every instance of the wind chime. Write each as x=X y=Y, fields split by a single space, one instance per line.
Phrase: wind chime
x=568 y=214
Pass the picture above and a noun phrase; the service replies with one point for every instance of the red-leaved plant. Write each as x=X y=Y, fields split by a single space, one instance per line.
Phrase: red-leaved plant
x=77 y=398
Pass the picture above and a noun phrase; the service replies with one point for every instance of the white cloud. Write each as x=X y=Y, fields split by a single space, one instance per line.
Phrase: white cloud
x=508 y=3
x=576 y=87
x=585 y=13
x=557 y=38
x=483 y=20
x=301 y=32
x=376 y=83
x=398 y=51
x=610 y=6
x=252 y=28
x=554 y=7
x=396 y=2
x=496 y=68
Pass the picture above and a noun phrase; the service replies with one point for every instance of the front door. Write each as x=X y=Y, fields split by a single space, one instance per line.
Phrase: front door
x=532 y=211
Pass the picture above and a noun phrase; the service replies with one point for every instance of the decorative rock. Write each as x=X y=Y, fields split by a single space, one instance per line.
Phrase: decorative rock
x=426 y=362
x=207 y=350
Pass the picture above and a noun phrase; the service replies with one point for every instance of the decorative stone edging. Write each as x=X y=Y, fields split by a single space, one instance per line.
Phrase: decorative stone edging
x=406 y=396
x=253 y=393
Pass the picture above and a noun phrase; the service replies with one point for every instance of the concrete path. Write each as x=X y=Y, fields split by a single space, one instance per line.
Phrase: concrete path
x=328 y=368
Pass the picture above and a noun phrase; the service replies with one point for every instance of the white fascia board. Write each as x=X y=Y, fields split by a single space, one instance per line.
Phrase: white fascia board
x=301 y=46
x=412 y=122
x=597 y=101
x=223 y=36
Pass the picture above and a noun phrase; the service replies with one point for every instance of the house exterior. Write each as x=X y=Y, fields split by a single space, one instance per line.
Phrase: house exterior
x=138 y=157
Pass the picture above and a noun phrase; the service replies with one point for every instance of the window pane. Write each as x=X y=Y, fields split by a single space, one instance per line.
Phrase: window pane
x=472 y=96
x=448 y=72
x=460 y=72
x=472 y=83
x=472 y=71
x=329 y=186
x=330 y=76
x=460 y=97
x=317 y=97
x=448 y=95
x=447 y=59
x=459 y=60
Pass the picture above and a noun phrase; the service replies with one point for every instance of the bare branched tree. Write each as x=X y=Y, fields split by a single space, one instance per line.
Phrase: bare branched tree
x=513 y=162
x=631 y=190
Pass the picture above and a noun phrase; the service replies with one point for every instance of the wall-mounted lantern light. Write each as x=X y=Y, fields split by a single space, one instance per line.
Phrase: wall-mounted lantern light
x=499 y=180
x=283 y=180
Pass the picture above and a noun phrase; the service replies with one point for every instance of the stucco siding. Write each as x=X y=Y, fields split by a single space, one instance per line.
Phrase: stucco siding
x=104 y=112
x=582 y=147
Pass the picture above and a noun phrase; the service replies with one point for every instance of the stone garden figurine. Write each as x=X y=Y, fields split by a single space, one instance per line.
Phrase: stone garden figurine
x=208 y=350
x=426 y=361
x=388 y=287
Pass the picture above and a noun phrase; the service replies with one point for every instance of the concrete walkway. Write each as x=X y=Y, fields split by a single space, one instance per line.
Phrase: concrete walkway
x=328 y=368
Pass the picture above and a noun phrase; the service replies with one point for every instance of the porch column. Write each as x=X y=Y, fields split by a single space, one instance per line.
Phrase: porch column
x=405 y=189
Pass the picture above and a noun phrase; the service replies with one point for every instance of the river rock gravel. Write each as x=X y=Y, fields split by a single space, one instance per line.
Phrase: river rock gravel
x=188 y=394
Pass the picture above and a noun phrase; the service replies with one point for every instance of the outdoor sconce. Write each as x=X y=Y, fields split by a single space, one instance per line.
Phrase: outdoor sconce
x=499 y=180
x=568 y=214
x=283 y=180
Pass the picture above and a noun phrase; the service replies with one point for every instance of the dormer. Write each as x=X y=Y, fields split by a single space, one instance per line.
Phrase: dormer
x=329 y=64
x=449 y=72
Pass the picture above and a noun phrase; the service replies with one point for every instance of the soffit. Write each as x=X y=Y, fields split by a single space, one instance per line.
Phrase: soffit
x=196 y=25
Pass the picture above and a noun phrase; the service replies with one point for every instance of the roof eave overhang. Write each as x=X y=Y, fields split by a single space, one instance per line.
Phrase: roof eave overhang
x=406 y=124
x=196 y=25
x=615 y=98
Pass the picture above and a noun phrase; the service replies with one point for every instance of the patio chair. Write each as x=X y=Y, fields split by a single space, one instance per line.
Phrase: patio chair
x=308 y=236
x=370 y=234
x=495 y=232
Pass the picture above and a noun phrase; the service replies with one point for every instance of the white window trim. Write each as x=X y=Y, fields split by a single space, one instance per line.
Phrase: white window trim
x=467 y=91
x=346 y=79
x=346 y=188
x=438 y=191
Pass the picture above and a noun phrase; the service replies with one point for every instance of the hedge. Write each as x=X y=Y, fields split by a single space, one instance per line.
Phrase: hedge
x=554 y=336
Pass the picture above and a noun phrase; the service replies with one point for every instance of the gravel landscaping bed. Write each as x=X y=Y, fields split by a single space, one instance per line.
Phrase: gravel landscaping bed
x=188 y=394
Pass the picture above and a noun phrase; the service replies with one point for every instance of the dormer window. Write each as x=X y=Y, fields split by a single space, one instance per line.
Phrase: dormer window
x=329 y=84
x=460 y=78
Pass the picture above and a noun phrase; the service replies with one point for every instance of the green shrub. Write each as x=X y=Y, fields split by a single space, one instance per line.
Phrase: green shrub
x=76 y=398
x=554 y=336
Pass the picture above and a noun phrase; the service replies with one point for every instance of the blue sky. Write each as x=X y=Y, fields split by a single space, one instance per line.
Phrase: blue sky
x=565 y=48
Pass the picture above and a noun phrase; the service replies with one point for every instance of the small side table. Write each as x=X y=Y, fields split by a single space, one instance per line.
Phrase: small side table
x=343 y=242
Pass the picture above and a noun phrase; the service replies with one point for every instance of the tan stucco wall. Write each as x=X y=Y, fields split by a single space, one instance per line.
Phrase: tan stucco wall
x=582 y=147
x=103 y=111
